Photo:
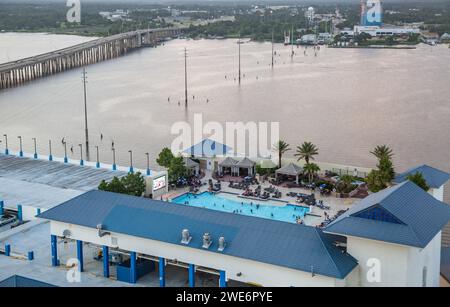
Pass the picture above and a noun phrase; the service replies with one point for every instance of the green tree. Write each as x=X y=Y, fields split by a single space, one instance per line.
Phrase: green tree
x=311 y=169
x=345 y=184
x=375 y=181
x=132 y=184
x=281 y=148
x=177 y=169
x=306 y=151
x=382 y=151
x=386 y=167
x=165 y=157
x=380 y=178
x=418 y=179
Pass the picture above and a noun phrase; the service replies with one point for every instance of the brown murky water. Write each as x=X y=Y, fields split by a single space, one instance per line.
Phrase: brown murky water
x=344 y=100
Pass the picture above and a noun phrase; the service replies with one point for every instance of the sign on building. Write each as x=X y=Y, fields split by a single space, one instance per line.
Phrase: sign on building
x=372 y=12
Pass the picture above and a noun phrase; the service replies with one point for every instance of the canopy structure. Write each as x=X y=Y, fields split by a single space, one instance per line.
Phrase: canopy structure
x=244 y=167
x=290 y=170
x=207 y=148
x=267 y=164
x=192 y=165
x=228 y=166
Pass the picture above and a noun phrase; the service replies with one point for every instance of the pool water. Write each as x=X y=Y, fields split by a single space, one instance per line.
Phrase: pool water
x=286 y=213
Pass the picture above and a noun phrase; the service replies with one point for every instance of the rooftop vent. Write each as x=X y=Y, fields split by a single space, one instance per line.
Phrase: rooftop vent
x=185 y=237
x=207 y=240
x=101 y=232
x=222 y=244
x=66 y=233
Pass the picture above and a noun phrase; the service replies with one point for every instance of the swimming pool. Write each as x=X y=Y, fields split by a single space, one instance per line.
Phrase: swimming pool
x=286 y=213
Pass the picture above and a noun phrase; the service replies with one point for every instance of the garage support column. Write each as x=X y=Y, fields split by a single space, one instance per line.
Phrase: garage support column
x=80 y=255
x=191 y=275
x=162 y=272
x=54 y=248
x=133 y=277
x=223 y=279
x=105 y=255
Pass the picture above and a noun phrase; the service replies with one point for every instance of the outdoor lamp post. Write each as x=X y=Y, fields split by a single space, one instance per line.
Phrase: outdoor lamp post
x=66 y=160
x=35 y=148
x=97 y=165
x=131 y=161
x=81 y=154
x=149 y=172
x=21 y=148
x=6 y=144
x=114 y=166
x=50 y=156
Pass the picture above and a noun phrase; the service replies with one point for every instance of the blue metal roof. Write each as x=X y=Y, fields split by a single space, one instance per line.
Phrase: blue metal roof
x=435 y=178
x=17 y=281
x=208 y=148
x=289 y=245
x=418 y=217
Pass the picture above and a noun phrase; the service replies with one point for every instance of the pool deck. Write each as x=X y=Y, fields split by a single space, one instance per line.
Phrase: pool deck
x=313 y=218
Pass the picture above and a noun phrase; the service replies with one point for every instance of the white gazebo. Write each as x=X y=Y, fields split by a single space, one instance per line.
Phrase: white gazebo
x=290 y=170
x=247 y=165
x=229 y=164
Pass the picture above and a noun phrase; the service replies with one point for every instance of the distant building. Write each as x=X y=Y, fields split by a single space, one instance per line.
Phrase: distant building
x=385 y=31
x=310 y=14
x=445 y=38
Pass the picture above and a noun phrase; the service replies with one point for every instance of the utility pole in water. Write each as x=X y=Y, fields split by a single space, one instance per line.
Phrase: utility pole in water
x=272 y=50
x=85 y=111
x=185 y=79
x=239 y=43
x=292 y=43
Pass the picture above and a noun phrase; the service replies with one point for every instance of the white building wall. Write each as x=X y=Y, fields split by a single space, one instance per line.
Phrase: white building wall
x=392 y=259
x=400 y=266
x=429 y=258
x=250 y=271
x=438 y=193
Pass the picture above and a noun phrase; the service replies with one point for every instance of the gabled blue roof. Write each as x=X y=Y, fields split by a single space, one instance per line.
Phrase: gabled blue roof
x=17 y=281
x=289 y=245
x=435 y=178
x=408 y=216
x=208 y=148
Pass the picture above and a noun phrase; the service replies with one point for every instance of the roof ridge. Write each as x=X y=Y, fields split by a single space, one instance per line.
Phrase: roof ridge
x=328 y=252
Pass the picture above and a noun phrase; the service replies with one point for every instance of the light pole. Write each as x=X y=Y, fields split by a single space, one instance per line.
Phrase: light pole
x=35 y=148
x=81 y=154
x=149 y=172
x=50 y=156
x=131 y=161
x=6 y=144
x=21 y=148
x=114 y=166
x=66 y=160
x=97 y=165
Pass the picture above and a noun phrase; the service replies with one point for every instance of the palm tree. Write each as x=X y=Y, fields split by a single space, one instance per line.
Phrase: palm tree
x=307 y=151
x=382 y=151
x=281 y=147
x=311 y=169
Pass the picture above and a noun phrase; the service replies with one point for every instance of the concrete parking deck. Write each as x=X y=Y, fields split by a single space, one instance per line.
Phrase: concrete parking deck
x=54 y=174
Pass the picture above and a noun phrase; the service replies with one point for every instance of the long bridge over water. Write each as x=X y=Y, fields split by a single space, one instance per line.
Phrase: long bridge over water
x=15 y=73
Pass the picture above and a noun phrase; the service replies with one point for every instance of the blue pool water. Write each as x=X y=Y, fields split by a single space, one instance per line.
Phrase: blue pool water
x=287 y=213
